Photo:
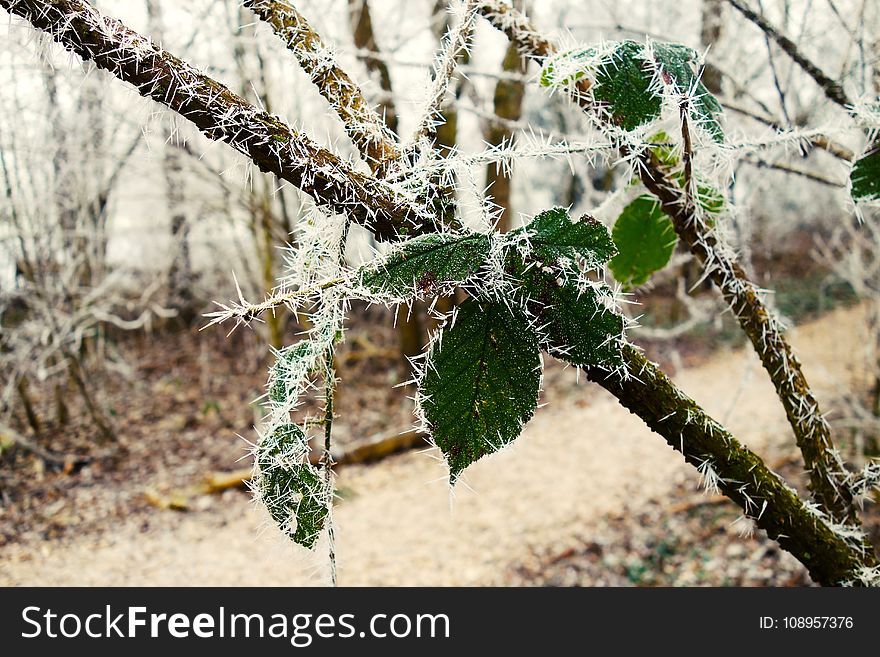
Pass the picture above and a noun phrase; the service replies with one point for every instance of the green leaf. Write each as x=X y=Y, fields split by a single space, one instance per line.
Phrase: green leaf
x=291 y=363
x=553 y=234
x=865 y=177
x=481 y=383
x=710 y=199
x=678 y=62
x=646 y=240
x=427 y=264
x=292 y=489
x=577 y=326
x=624 y=81
x=566 y=68
x=666 y=155
x=624 y=85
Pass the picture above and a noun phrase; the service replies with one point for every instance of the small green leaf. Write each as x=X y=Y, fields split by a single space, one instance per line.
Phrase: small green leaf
x=624 y=81
x=566 y=68
x=666 y=155
x=646 y=239
x=865 y=177
x=710 y=199
x=553 y=234
x=577 y=327
x=481 y=383
x=291 y=488
x=678 y=62
x=624 y=85
x=291 y=363
x=427 y=264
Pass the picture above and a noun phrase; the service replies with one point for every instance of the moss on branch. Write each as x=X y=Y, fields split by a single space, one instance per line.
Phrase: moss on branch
x=830 y=557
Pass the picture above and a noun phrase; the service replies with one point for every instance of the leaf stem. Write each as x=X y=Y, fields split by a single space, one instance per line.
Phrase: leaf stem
x=327 y=457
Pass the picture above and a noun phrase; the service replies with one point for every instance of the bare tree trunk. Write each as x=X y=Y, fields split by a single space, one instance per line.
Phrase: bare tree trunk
x=62 y=185
x=180 y=274
x=711 y=26
x=91 y=236
x=106 y=434
x=62 y=415
x=263 y=223
x=508 y=103
x=33 y=419
x=410 y=329
x=365 y=39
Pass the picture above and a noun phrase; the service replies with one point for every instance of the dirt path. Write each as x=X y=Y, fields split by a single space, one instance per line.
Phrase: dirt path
x=579 y=459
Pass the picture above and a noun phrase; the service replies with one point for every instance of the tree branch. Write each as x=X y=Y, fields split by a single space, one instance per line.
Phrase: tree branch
x=376 y=143
x=455 y=43
x=819 y=141
x=829 y=553
x=362 y=124
x=785 y=168
x=832 y=89
x=812 y=433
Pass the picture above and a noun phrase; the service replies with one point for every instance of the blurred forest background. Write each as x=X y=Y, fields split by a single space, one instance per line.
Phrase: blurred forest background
x=117 y=234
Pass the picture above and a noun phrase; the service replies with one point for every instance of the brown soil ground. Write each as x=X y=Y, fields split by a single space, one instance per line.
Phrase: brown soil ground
x=587 y=495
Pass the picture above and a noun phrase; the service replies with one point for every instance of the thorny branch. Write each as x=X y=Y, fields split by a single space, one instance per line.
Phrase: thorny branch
x=813 y=435
x=454 y=44
x=819 y=141
x=363 y=125
x=244 y=311
x=821 y=546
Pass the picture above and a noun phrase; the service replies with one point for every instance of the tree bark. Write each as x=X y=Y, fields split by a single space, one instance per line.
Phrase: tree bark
x=508 y=103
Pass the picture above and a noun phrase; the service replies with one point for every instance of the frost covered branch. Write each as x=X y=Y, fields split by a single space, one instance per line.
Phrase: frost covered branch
x=813 y=435
x=830 y=555
x=818 y=140
x=244 y=311
x=362 y=124
x=454 y=44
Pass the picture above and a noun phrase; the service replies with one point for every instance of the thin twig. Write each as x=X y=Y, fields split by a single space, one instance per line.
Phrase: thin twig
x=819 y=141
x=785 y=168
x=456 y=41
x=243 y=311
x=832 y=89
x=327 y=457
